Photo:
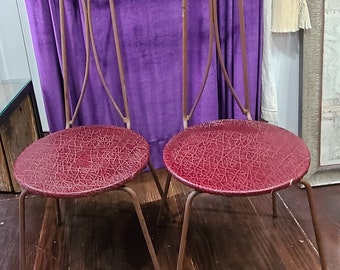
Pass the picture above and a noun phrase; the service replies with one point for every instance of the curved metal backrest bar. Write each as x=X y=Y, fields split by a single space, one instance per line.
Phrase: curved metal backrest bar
x=185 y=62
x=186 y=117
x=245 y=109
x=89 y=38
x=87 y=66
x=64 y=63
x=244 y=54
x=126 y=118
x=213 y=35
x=120 y=62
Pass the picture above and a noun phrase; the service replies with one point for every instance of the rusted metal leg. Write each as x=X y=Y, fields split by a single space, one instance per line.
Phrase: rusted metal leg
x=164 y=200
x=22 y=229
x=274 y=204
x=57 y=207
x=315 y=221
x=161 y=193
x=185 y=226
x=143 y=226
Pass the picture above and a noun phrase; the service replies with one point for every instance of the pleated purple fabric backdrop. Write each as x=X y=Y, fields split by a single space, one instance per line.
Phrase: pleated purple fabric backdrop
x=150 y=34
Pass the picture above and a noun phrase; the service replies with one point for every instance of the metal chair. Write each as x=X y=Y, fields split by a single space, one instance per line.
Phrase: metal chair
x=85 y=161
x=233 y=157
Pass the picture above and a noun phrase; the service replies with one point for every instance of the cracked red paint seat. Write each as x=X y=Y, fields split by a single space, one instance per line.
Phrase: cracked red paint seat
x=82 y=161
x=236 y=157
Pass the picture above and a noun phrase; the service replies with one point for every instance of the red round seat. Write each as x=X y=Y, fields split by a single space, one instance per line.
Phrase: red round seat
x=236 y=157
x=81 y=161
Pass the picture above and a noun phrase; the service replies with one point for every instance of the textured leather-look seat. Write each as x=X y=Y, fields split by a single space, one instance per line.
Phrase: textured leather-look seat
x=236 y=157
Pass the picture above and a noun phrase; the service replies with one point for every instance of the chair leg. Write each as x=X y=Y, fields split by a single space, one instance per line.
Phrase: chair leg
x=155 y=177
x=22 y=229
x=58 y=215
x=316 y=225
x=185 y=226
x=143 y=226
x=164 y=200
x=161 y=193
x=274 y=204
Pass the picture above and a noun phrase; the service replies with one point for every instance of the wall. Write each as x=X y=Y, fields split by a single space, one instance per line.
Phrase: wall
x=330 y=114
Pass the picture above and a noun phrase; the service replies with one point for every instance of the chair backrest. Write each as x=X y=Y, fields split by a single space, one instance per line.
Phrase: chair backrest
x=90 y=44
x=213 y=36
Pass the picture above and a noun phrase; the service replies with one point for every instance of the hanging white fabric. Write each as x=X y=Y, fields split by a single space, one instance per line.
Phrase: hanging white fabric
x=269 y=103
x=279 y=16
x=290 y=16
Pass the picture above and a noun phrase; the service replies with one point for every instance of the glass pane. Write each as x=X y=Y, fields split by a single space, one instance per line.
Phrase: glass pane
x=9 y=89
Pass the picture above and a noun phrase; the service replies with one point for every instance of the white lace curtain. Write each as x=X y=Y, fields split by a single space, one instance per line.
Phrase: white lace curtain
x=279 y=16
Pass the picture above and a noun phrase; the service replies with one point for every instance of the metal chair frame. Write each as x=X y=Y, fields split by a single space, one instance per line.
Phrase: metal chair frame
x=69 y=120
x=214 y=37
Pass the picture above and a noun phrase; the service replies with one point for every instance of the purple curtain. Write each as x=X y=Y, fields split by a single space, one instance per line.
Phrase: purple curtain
x=150 y=34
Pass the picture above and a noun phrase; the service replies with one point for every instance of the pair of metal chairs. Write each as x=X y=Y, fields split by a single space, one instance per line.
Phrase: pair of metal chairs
x=223 y=157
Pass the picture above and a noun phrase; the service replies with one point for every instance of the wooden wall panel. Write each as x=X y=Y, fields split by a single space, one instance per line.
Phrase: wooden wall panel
x=17 y=132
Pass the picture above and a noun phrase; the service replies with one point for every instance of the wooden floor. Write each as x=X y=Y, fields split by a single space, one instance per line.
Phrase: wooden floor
x=224 y=233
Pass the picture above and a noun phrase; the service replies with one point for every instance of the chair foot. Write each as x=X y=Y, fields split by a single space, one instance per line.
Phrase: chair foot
x=185 y=226
x=143 y=226
x=315 y=221
x=22 y=243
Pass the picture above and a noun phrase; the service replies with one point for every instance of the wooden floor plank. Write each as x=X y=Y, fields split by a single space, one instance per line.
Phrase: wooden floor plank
x=327 y=201
x=50 y=242
x=233 y=235
x=102 y=232
x=9 y=229
x=284 y=237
